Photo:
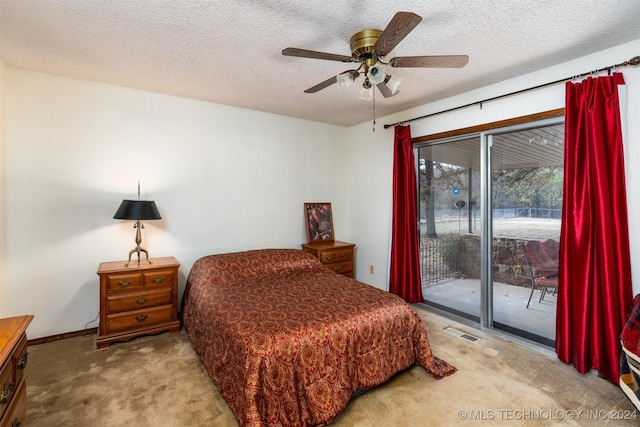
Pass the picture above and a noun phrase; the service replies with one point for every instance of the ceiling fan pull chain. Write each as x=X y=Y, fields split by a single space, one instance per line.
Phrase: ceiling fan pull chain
x=374 y=110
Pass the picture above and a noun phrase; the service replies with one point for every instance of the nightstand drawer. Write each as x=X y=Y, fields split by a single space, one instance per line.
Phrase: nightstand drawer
x=327 y=257
x=341 y=267
x=139 y=318
x=123 y=282
x=138 y=300
x=162 y=278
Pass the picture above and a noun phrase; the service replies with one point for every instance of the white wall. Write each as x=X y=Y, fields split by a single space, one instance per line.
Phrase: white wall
x=224 y=179
x=3 y=182
x=370 y=153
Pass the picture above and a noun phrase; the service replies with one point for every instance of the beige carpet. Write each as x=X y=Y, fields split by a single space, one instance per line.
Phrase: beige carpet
x=159 y=381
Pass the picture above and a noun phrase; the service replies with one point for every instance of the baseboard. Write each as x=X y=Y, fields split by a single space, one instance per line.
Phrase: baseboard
x=44 y=340
x=83 y=332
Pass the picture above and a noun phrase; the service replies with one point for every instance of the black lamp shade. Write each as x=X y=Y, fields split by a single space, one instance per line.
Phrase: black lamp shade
x=137 y=210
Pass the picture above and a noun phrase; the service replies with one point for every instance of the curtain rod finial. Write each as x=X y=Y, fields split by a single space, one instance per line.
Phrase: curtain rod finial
x=634 y=61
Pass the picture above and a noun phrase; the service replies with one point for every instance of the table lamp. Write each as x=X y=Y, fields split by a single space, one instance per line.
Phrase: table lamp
x=138 y=210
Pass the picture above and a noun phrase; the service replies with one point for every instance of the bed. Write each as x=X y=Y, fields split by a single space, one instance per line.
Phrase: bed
x=288 y=342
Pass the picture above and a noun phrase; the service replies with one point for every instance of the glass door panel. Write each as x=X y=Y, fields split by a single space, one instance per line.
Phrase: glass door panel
x=526 y=195
x=449 y=225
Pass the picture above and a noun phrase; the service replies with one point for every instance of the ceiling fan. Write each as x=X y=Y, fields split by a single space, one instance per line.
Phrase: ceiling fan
x=368 y=48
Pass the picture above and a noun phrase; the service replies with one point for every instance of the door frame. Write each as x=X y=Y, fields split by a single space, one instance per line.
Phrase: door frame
x=485 y=132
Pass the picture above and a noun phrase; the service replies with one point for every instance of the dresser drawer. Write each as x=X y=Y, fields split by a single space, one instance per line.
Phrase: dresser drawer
x=138 y=300
x=139 y=319
x=7 y=385
x=17 y=411
x=13 y=361
x=123 y=282
x=20 y=358
x=156 y=279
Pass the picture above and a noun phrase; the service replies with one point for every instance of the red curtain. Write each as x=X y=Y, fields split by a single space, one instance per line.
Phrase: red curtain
x=404 y=275
x=595 y=288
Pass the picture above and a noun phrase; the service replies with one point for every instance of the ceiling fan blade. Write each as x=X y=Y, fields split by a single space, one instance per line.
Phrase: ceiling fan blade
x=398 y=28
x=304 y=53
x=385 y=91
x=322 y=85
x=442 y=61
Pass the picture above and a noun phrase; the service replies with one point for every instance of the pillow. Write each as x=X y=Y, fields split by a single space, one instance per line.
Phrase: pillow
x=248 y=265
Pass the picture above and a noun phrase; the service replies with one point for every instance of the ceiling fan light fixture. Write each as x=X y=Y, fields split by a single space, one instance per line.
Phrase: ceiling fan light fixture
x=366 y=93
x=346 y=79
x=393 y=83
x=376 y=74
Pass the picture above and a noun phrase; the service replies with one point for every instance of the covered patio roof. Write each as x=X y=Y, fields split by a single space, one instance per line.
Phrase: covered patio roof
x=529 y=148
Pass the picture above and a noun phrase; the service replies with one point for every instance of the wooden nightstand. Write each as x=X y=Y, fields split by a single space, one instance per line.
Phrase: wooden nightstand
x=338 y=256
x=141 y=299
x=13 y=361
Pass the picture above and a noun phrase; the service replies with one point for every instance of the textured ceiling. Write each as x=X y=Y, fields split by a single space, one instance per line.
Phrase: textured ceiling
x=229 y=52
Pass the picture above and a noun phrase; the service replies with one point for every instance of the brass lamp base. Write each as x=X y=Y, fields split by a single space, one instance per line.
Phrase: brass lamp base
x=138 y=249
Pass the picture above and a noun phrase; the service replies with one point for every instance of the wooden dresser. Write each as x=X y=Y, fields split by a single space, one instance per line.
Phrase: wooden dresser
x=338 y=256
x=13 y=359
x=141 y=299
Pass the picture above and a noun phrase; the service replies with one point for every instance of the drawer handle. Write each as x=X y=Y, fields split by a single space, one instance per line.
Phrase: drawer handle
x=344 y=255
x=16 y=423
x=338 y=268
x=329 y=257
x=141 y=317
x=7 y=392
x=125 y=283
x=158 y=280
x=22 y=362
x=141 y=300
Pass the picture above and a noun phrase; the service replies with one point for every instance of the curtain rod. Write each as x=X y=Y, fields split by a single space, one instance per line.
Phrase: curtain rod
x=633 y=61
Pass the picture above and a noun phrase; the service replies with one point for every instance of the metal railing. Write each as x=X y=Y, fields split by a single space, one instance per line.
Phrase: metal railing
x=440 y=259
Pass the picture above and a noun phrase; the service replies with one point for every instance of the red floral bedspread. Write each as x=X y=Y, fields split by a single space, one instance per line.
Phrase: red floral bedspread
x=288 y=341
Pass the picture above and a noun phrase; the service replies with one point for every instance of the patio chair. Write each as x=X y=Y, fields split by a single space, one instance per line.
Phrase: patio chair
x=543 y=267
x=552 y=249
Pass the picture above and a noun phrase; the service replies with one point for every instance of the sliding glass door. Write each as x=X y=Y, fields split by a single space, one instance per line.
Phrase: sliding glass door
x=482 y=198
x=449 y=195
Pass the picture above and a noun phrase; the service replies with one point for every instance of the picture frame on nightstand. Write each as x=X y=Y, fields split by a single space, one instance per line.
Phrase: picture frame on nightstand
x=319 y=222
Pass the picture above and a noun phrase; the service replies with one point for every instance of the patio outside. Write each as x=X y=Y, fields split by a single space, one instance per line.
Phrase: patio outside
x=457 y=288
